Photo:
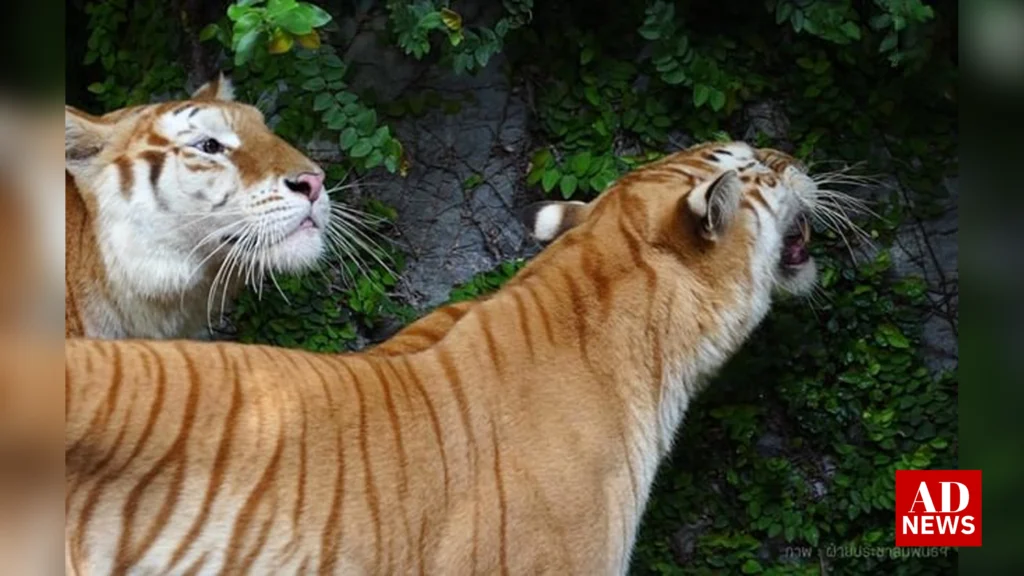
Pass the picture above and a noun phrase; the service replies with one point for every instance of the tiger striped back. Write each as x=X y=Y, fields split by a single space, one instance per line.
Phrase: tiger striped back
x=172 y=207
x=518 y=434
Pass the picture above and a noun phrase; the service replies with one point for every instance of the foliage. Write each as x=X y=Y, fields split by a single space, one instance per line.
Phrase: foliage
x=322 y=312
x=466 y=49
x=280 y=45
x=278 y=27
x=785 y=465
x=133 y=55
x=486 y=282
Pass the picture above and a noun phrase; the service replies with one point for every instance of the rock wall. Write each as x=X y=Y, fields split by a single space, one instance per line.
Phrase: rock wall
x=457 y=207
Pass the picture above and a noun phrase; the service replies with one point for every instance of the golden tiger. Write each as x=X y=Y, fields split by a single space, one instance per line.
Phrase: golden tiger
x=170 y=207
x=517 y=434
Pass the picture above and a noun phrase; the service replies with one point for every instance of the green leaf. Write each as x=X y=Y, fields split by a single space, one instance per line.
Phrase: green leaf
x=568 y=185
x=650 y=33
x=238 y=10
x=717 y=100
x=380 y=136
x=797 y=20
x=888 y=43
x=323 y=101
x=335 y=118
x=893 y=336
x=701 y=92
x=754 y=509
x=783 y=11
x=482 y=56
x=851 y=30
x=315 y=15
x=332 y=61
x=580 y=163
x=348 y=138
x=295 y=21
x=751 y=566
x=314 y=84
x=375 y=159
x=674 y=77
x=431 y=21
x=774 y=530
x=307 y=68
x=592 y=95
x=586 y=55
x=551 y=178
x=208 y=32
x=245 y=46
x=542 y=158
x=881 y=21
x=97 y=88
x=789 y=533
x=451 y=19
x=811 y=535
x=534 y=176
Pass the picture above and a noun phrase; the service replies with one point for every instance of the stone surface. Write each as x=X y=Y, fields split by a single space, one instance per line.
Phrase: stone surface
x=767 y=118
x=457 y=206
x=928 y=249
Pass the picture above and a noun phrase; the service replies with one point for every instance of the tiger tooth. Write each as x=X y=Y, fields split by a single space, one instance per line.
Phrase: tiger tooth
x=805 y=229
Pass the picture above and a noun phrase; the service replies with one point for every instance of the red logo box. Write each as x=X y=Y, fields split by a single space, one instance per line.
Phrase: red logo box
x=938 y=507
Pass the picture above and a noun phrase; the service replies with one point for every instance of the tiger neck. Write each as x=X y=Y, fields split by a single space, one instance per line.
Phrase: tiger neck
x=650 y=353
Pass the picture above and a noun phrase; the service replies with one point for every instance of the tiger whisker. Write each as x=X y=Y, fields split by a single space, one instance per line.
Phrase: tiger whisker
x=238 y=263
x=347 y=222
x=351 y=253
x=367 y=244
x=845 y=220
x=827 y=220
x=232 y=255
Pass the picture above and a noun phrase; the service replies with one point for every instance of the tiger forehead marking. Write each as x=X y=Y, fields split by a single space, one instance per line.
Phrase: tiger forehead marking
x=185 y=198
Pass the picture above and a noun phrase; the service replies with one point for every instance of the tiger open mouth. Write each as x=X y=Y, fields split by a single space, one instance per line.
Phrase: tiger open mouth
x=794 y=243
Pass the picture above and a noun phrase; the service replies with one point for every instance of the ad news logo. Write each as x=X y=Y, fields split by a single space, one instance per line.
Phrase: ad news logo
x=938 y=507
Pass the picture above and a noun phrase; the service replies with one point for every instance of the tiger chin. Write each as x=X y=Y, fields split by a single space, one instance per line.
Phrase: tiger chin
x=516 y=434
x=172 y=208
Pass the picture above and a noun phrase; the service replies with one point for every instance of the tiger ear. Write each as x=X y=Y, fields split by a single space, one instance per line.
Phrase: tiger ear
x=549 y=220
x=85 y=136
x=220 y=88
x=716 y=203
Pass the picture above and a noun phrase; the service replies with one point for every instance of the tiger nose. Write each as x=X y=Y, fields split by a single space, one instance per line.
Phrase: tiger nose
x=309 y=184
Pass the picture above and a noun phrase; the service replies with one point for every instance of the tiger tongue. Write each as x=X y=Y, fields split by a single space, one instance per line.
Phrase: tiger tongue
x=794 y=251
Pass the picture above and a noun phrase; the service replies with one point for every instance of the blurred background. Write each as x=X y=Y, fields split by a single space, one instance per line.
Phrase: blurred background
x=31 y=261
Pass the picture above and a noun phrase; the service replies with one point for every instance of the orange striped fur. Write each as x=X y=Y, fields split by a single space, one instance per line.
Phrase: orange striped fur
x=517 y=434
x=172 y=207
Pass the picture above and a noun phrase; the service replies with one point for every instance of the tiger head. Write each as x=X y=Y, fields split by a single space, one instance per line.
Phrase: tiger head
x=192 y=186
x=733 y=216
